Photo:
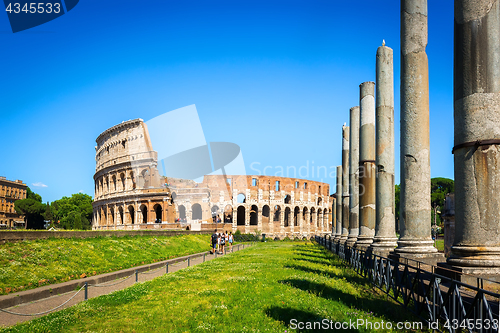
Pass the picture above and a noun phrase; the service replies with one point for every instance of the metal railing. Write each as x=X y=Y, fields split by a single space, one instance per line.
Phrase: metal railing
x=446 y=304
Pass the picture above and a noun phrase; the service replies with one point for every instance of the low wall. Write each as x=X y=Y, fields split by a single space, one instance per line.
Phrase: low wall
x=15 y=236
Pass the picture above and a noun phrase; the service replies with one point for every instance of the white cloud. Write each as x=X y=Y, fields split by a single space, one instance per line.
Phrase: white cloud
x=81 y=191
x=39 y=184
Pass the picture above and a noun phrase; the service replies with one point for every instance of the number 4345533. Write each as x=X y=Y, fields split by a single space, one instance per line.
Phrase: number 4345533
x=34 y=7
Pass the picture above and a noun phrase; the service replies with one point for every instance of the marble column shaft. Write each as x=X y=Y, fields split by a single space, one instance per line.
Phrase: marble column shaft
x=367 y=173
x=385 y=221
x=477 y=117
x=415 y=199
x=338 y=225
x=353 y=176
x=345 y=183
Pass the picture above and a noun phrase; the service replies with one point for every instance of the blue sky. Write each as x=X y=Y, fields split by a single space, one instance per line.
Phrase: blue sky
x=275 y=77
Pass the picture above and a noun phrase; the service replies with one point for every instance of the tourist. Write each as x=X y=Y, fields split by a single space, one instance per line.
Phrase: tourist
x=230 y=239
x=222 y=242
x=214 y=241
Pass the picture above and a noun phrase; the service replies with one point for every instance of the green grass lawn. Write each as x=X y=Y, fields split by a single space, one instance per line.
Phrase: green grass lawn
x=29 y=264
x=260 y=289
x=440 y=244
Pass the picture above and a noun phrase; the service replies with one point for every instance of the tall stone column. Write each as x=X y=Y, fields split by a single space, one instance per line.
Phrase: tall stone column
x=366 y=165
x=415 y=211
x=385 y=239
x=476 y=247
x=334 y=215
x=353 y=176
x=345 y=183
x=338 y=225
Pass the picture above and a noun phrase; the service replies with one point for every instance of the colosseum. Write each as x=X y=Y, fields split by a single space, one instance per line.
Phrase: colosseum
x=131 y=194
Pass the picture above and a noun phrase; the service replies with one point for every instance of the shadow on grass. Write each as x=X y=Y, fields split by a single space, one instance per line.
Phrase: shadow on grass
x=315 y=255
x=286 y=315
x=378 y=307
x=350 y=278
x=314 y=261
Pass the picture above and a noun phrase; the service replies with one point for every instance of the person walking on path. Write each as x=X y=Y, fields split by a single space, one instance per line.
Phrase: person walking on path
x=230 y=239
x=222 y=242
x=214 y=241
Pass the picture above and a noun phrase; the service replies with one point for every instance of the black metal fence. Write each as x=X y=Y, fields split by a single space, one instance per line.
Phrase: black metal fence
x=446 y=304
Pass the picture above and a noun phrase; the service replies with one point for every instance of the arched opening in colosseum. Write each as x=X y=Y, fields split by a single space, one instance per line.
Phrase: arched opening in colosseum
x=122 y=180
x=287 y=216
x=215 y=213
x=107 y=184
x=113 y=179
x=296 y=213
x=196 y=212
x=131 y=213
x=112 y=214
x=254 y=213
x=157 y=209
x=241 y=198
x=241 y=215
x=304 y=214
x=313 y=212
x=288 y=198
x=265 y=214
x=319 y=201
x=228 y=214
x=182 y=213
x=144 y=211
x=277 y=213
x=120 y=211
x=174 y=195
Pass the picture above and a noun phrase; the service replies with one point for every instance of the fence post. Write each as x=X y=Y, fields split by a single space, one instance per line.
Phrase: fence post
x=189 y=262
x=86 y=290
x=204 y=257
x=166 y=269
x=136 y=275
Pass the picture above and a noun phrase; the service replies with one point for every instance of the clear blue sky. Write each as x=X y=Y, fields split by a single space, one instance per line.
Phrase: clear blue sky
x=275 y=77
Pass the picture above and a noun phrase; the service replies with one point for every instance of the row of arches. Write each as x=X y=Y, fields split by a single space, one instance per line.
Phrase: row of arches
x=312 y=215
x=128 y=215
x=241 y=198
x=122 y=181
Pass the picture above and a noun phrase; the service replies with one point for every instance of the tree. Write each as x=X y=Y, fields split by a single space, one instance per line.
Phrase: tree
x=439 y=188
x=32 y=209
x=74 y=212
x=48 y=214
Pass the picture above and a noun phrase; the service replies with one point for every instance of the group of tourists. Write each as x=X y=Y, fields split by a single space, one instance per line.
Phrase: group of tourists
x=220 y=240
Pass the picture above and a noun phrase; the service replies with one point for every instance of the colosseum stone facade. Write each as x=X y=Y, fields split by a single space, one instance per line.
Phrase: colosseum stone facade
x=131 y=194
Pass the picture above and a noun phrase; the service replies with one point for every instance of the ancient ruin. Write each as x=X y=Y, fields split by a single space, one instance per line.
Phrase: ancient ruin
x=131 y=194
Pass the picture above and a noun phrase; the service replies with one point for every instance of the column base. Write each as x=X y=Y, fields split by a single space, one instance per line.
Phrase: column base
x=382 y=246
x=487 y=257
x=427 y=258
x=415 y=247
x=363 y=242
x=351 y=241
x=469 y=275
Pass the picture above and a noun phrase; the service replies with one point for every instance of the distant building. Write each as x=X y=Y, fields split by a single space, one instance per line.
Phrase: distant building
x=10 y=191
